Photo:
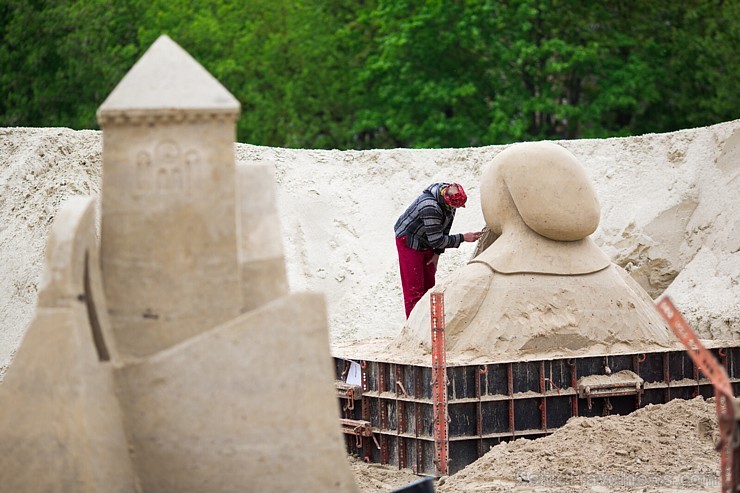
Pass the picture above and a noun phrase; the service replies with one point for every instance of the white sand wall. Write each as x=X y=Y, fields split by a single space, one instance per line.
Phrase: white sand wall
x=670 y=215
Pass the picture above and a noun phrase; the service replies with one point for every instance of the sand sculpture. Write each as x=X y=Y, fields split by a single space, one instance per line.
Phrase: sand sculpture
x=162 y=357
x=542 y=288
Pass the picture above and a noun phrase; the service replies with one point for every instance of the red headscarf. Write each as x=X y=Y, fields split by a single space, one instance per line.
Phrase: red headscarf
x=458 y=199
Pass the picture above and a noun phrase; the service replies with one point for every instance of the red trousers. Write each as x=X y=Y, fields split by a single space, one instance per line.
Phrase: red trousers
x=417 y=275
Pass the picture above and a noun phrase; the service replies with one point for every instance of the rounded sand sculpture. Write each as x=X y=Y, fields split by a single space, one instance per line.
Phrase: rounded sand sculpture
x=542 y=288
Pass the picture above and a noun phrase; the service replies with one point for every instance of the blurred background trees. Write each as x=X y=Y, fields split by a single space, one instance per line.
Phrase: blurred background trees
x=356 y=74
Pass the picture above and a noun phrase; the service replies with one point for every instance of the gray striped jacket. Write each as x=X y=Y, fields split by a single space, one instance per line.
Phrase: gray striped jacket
x=427 y=222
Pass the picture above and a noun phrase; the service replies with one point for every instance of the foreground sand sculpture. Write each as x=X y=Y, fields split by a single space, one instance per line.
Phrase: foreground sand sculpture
x=542 y=289
x=162 y=359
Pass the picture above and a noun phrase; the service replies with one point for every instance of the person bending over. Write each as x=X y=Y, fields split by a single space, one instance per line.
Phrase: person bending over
x=423 y=233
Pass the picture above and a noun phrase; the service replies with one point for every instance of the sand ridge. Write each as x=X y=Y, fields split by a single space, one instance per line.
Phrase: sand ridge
x=668 y=201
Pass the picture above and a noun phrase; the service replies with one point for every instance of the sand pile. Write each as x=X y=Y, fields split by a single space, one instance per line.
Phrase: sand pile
x=39 y=169
x=657 y=448
x=376 y=478
x=669 y=215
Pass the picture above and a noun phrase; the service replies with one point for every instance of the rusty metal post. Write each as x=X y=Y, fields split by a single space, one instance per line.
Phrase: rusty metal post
x=636 y=360
x=439 y=383
x=574 y=386
x=725 y=400
x=401 y=417
x=667 y=377
x=418 y=392
x=543 y=390
x=510 y=378
x=481 y=373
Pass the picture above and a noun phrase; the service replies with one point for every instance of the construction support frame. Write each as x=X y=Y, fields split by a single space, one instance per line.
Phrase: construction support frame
x=439 y=383
x=726 y=404
x=393 y=415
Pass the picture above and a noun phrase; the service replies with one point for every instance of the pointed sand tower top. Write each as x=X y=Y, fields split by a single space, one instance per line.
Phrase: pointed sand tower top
x=167 y=83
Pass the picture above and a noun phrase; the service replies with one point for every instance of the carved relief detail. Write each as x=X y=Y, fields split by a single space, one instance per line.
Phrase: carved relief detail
x=167 y=170
x=143 y=171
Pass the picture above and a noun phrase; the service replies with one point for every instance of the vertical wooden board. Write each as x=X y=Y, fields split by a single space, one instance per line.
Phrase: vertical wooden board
x=558 y=411
x=680 y=365
x=392 y=417
x=651 y=370
x=559 y=373
x=526 y=377
x=527 y=415
x=495 y=417
x=463 y=418
x=462 y=454
x=497 y=380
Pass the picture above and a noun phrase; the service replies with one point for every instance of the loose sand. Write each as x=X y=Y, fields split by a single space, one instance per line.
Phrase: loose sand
x=669 y=217
x=656 y=448
x=666 y=448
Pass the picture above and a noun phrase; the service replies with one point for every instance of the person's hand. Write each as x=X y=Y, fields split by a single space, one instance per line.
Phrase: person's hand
x=434 y=260
x=472 y=236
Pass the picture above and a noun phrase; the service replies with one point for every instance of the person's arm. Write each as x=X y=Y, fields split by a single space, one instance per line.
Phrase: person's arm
x=470 y=237
x=434 y=232
x=446 y=232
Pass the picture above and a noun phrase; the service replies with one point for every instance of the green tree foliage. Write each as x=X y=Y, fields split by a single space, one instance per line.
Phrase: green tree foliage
x=60 y=59
x=696 y=64
x=387 y=73
x=483 y=72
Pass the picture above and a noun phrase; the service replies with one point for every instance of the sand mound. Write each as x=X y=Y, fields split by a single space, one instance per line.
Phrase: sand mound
x=657 y=448
x=497 y=317
x=376 y=478
x=39 y=169
x=669 y=215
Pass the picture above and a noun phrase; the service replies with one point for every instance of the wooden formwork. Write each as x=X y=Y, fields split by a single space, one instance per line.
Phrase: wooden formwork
x=389 y=417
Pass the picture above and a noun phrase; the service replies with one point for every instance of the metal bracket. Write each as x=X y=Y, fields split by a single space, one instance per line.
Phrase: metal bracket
x=617 y=384
x=359 y=429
